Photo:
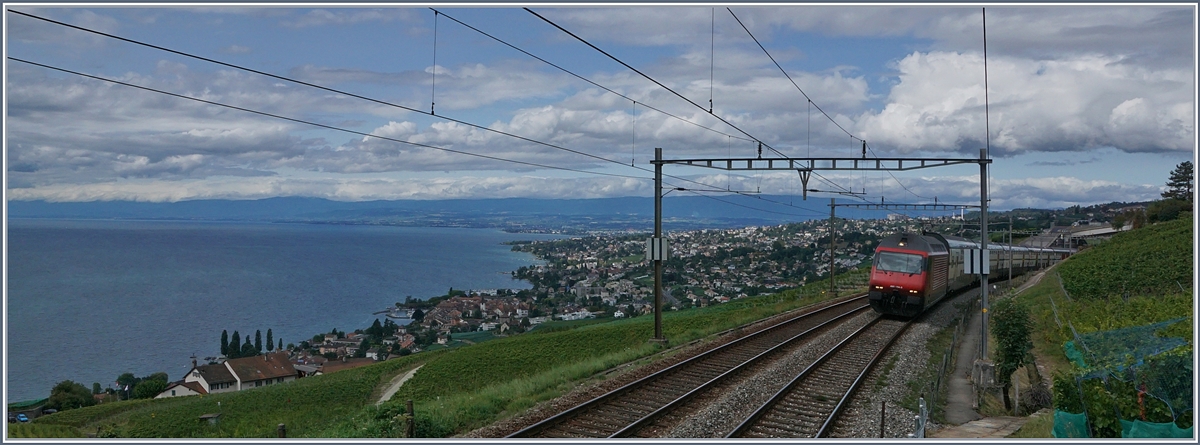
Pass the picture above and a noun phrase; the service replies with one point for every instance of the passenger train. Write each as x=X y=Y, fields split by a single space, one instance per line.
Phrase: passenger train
x=912 y=272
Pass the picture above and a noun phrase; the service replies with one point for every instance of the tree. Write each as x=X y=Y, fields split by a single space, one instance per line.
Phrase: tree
x=362 y=348
x=280 y=344
x=418 y=315
x=69 y=395
x=258 y=348
x=224 y=342
x=248 y=350
x=127 y=380
x=376 y=329
x=235 y=346
x=1012 y=332
x=270 y=341
x=1118 y=221
x=157 y=376
x=149 y=388
x=1167 y=209
x=1181 y=183
x=96 y=388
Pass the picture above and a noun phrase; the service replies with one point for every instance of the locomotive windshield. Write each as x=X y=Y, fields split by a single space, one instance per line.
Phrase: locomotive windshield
x=898 y=262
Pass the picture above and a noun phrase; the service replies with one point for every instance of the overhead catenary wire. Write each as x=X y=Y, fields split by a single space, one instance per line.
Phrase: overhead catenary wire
x=789 y=77
x=594 y=83
x=712 y=58
x=364 y=134
x=813 y=104
x=344 y=130
x=672 y=91
x=357 y=96
x=656 y=82
x=708 y=188
x=316 y=124
x=433 y=85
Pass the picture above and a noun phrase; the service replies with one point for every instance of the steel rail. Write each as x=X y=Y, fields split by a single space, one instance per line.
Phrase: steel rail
x=644 y=421
x=746 y=427
x=613 y=396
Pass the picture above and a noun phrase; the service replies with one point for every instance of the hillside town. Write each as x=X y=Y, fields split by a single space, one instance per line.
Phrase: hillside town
x=601 y=276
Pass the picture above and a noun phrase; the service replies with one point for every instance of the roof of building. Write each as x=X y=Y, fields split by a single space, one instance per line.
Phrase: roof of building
x=307 y=369
x=267 y=366
x=196 y=387
x=214 y=374
x=350 y=363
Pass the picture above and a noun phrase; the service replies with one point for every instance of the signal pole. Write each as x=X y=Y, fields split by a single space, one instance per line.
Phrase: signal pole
x=657 y=248
x=983 y=239
x=832 y=288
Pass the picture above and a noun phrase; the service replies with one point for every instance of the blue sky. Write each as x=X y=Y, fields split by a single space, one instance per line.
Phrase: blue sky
x=1088 y=104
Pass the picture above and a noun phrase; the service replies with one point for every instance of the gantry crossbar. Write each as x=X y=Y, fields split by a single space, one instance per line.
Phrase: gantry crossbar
x=812 y=164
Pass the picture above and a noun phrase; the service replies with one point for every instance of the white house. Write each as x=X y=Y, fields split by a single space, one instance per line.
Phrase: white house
x=243 y=373
x=180 y=389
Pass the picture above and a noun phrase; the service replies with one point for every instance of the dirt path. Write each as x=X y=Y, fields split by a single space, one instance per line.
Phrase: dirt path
x=960 y=400
x=394 y=385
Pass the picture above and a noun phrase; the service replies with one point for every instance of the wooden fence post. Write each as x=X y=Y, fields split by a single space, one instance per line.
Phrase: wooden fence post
x=412 y=420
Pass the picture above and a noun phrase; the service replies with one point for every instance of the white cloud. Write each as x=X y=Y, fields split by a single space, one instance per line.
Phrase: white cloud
x=1063 y=105
x=337 y=189
x=349 y=16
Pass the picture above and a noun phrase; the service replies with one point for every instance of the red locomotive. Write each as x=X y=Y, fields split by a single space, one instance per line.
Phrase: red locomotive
x=912 y=272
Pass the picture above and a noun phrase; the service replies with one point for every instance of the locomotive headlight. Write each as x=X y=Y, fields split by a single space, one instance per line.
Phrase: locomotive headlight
x=912 y=291
x=879 y=287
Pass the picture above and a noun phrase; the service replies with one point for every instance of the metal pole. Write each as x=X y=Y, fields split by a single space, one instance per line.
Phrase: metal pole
x=882 y=416
x=983 y=239
x=832 y=289
x=658 y=297
x=1010 y=250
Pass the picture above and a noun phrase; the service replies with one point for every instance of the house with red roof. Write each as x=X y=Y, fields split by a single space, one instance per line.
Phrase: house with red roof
x=238 y=374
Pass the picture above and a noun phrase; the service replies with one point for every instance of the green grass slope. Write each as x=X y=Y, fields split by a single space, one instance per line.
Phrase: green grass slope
x=307 y=406
x=456 y=389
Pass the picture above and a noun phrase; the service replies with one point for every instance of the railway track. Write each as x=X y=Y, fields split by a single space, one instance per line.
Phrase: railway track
x=809 y=405
x=624 y=411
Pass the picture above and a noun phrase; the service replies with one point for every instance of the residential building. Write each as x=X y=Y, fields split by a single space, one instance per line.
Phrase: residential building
x=243 y=373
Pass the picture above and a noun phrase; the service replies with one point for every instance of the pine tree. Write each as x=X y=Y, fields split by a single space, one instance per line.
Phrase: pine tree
x=224 y=342
x=1181 y=183
x=258 y=341
x=280 y=344
x=270 y=341
x=235 y=346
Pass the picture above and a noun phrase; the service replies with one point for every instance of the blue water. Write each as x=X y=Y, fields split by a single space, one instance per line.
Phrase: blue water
x=89 y=300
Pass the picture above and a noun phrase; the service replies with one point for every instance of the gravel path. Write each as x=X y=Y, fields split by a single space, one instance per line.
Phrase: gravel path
x=395 y=384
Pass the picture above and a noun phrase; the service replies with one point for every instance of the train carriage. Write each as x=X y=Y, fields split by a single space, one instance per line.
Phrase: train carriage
x=912 y=272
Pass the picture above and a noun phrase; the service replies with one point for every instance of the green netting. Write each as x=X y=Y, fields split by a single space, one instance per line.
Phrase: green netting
x=1118 y=349
x=1069 y=425
x=1169 y=378
x=1074 y=355
x=1155 y=363
x=1140 y=429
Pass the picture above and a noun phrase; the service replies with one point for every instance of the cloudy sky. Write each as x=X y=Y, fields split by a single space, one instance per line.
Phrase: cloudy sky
x=1087 y=104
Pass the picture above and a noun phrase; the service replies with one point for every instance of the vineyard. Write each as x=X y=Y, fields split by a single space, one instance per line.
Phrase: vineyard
x=455 y=390
x=1156 y=260
x=307 y=406
x=1119 y=308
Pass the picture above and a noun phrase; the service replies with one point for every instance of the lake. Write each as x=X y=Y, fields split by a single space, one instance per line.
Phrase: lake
x=88 y=300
